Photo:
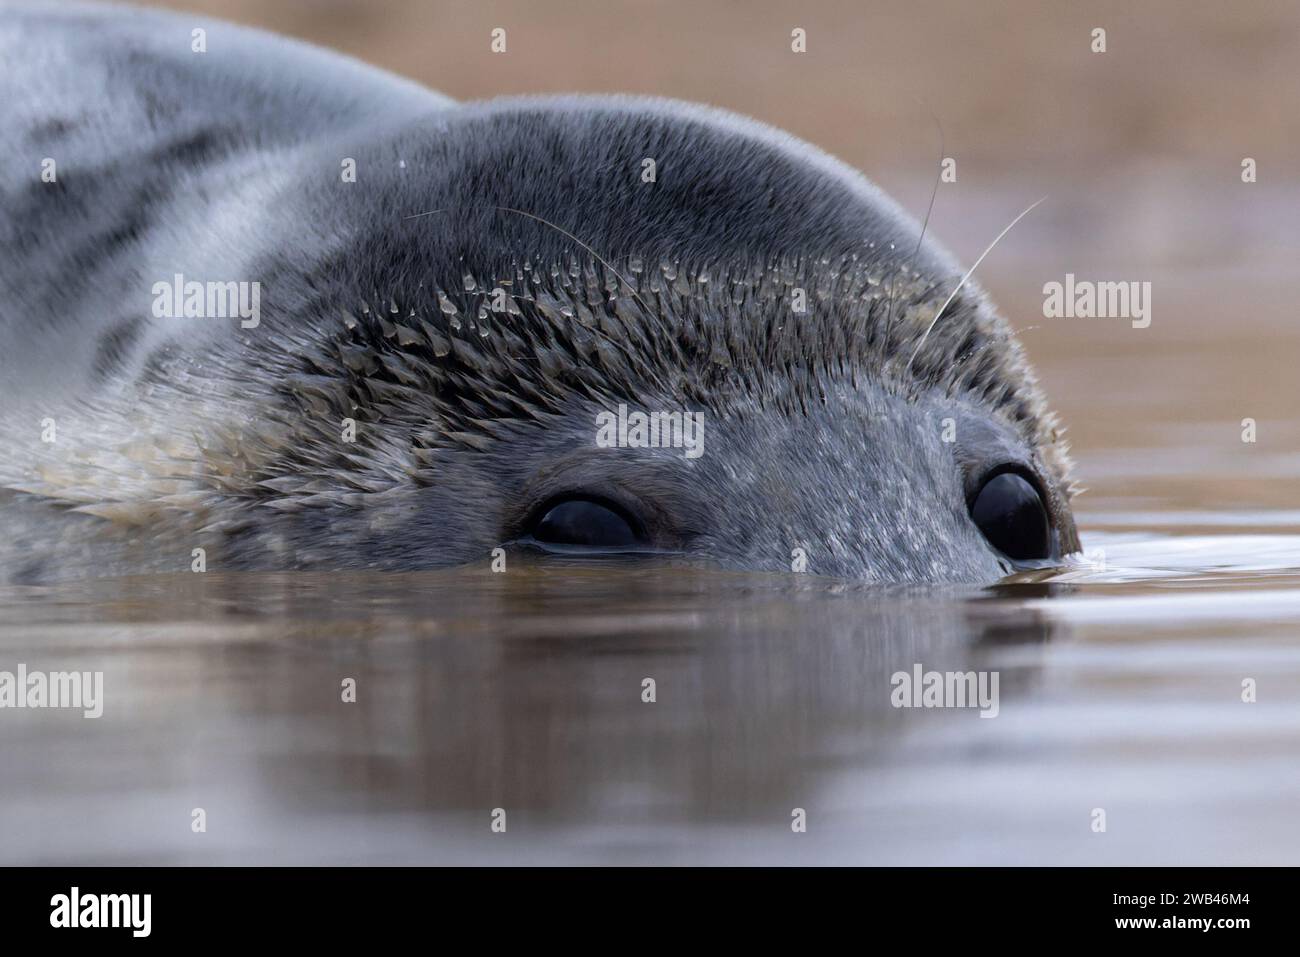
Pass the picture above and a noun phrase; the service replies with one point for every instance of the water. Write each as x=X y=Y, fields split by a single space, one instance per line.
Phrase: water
x=1120 y=688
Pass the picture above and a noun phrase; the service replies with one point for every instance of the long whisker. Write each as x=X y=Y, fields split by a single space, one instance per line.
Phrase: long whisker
x=947 y=302
x=428 y=212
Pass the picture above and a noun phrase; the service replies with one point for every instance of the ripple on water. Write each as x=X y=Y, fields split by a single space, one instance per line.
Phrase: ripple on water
x=1120 y=688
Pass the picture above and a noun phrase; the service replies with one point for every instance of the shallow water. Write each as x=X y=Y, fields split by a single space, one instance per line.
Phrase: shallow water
x=1120 y=688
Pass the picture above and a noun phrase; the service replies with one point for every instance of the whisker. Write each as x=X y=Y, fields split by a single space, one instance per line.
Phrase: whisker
x=947 y=302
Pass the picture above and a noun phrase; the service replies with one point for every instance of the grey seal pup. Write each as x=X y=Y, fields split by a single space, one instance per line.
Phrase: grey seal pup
x=267 y=305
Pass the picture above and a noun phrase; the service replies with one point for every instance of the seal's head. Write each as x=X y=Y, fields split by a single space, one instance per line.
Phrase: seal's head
x=617 y=326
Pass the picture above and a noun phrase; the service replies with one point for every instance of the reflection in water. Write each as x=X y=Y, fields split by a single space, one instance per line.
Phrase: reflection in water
x=1120 y=688
x=474 y=691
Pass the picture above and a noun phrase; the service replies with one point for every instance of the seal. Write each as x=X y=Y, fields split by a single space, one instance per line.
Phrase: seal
x=294 y=312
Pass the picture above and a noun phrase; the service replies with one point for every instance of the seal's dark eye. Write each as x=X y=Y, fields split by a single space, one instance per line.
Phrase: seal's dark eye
x=1010 y=513
x=582 y=522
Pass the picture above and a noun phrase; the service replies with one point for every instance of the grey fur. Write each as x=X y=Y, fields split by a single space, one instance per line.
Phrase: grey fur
x=677 y=294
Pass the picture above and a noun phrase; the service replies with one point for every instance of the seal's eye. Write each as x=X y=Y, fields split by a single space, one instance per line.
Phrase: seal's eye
x=1010 y=513
x=586 y=523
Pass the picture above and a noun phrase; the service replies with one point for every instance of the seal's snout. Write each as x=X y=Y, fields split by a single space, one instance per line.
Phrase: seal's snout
x=861 y=487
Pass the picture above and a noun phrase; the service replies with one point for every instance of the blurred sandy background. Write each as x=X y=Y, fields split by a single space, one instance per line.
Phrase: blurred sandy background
x=1138 y=150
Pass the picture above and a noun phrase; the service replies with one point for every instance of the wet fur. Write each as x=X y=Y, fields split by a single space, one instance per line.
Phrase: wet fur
x=226 y=166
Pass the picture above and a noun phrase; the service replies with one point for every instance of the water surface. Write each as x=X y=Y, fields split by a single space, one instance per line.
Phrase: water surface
x=1120 y=689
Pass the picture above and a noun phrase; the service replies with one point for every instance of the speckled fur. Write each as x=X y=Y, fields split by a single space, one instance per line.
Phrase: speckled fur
x=677 y=294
